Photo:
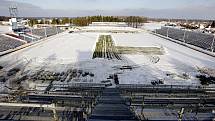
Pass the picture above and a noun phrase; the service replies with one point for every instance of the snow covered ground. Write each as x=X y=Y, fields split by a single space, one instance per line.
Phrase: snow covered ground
x=63 y=49
x=153 y=25
x=74 y=50
x=4 y=29
x=176 y=61
x=109 y=29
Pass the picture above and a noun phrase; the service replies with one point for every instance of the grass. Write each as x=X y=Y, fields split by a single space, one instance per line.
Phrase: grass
x=105 y=48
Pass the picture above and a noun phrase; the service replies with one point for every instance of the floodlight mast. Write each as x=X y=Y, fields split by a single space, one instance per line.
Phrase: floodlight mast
x=13 y=10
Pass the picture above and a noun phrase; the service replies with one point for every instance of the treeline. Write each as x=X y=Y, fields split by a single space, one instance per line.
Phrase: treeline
x=4 y=18
x=54 y=21
x=84 y=21
x=135 y=21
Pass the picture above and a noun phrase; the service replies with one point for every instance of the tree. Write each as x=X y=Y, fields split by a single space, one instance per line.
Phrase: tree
x=135 y=21
x=213 y=24
x=56 y=21
x=32 y=22
x=131 y=20
x=41 y=22
x=65 y=20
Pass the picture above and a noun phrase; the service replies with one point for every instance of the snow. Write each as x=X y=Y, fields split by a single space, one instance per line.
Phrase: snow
x=4 y=29
x=65 y=48
x=109 y=29
x=113 y=24
x=74 y=50
x=177 y=60
x=153 y=25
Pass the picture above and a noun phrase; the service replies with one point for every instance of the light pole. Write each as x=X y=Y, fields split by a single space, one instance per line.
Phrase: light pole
x=45 y=27
x=167 y=34
x=212 y=45
x=184 y=36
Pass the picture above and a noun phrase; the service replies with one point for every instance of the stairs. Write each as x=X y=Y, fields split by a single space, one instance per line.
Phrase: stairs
x=111 y=107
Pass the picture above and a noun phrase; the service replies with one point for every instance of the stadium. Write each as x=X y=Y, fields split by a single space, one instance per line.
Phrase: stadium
x=106 y=71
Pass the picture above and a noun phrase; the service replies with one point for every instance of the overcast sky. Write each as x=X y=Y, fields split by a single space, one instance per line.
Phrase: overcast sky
x=187 y=9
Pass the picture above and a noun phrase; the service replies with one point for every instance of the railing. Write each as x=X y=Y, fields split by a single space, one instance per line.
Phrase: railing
x=181 y=87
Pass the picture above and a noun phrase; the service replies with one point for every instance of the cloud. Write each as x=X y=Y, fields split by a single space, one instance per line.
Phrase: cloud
x=189 y=12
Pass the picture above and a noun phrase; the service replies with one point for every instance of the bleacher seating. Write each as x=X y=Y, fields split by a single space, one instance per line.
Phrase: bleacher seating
x=49 y=31
x=39 y=32
x=162 y=31
x=28 y=38
x=198 y=39
x=59 y=30
x=213 y=47
x=7 y=43
x=176 y=34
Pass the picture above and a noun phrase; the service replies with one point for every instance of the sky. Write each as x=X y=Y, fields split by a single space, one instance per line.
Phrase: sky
x=114 y=4
x=187 y=9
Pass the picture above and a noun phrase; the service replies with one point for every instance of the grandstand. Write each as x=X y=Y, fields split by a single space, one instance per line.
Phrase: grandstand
x=7 y=43
x=113 y=24
x=39 y=32
x=28 y=37
x=52 y=31
x=46 y=32
x=202 y=40
x=10 y=41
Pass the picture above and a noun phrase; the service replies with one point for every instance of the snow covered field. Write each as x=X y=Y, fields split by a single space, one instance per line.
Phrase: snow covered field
x=75 y=50
x=104 y=29
x=63 y=49
x=177 y=60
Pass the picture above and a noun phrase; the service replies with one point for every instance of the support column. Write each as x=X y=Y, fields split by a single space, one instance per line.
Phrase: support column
x=57 y=30
x=45 y=32
x=184 y=36
x=212 y=45
x=31 y=34
x=167 y=34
